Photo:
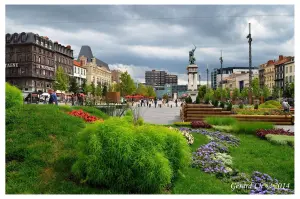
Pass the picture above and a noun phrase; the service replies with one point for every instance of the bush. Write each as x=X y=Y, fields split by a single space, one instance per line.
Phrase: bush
x=229 y=107
x=13 y=96
x=222 y=104
x=215 y=103
x=241 y=106
x=182 y=124
x=220 y=121
x=271 y=104
x=256 y=106
x=141 y=159
x=250 y=127
x=188 y=100
x=281 y=139
x=263 y=132
x=197 y=100
x=200 y=124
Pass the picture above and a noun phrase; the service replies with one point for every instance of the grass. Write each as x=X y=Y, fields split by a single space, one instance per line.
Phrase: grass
x=281 y=139
x=255 y=154
x=40 y=145
x=220 y=121
x=250 y=127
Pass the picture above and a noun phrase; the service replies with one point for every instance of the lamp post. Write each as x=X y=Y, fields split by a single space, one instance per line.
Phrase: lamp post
x=250 y=65
x=207 y=73
x=221 y=61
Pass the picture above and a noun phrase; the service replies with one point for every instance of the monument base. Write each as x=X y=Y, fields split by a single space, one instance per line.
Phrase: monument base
x=193 y=95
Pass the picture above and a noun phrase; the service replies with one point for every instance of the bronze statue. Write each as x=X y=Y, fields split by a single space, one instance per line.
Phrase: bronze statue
x=192 y=59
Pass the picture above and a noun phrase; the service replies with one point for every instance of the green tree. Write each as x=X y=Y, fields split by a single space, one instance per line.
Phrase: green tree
x=73 y=85
x=150 y=91
x=227 y=93
x=126 y=85
x=235 y=94
x=83 y=86
x=165 y=96
x=244 y=93
x=104 y=90
x=276 y=92
x=61 y=80
x=93 y=88
x=217 y=93
x=98 y=91
x=141 y=90
x=266 y=92
x=256 y=90
x=202 y=91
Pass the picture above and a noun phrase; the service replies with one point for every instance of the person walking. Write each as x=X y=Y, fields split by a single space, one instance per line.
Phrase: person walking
x=147 y=103
x=176 y=102
x=286 y=106
x=155 y=102
x=53 y=97
x=72 y=99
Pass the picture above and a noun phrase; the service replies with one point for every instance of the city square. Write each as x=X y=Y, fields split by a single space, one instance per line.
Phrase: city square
x=130 y=108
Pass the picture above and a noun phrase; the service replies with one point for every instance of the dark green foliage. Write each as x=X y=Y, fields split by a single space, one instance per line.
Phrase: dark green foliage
x=74 y=87
x=215 y=103
x=250 y=127
x=241 y=106
x=202 y=91
x=222 y=104
x=137 y=159
x=188 y=100
x=13 y=96
x=256 y=106
x=221 y=121
x=197 y=100
x=271 y=104
x=229 y=106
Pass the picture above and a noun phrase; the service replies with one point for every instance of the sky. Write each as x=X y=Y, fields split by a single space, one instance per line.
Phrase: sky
x=139 y=38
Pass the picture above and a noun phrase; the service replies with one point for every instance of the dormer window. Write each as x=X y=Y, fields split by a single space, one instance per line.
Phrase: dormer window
x=50 y=46
x=42 y=43
x=46 y=45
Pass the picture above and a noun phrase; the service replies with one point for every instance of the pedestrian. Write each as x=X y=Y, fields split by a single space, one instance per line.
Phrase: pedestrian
x=176 y=102
x=45 y=101
x=155 y=101
x=286 y=106
x=53 y=97
x=147 y=103
x=72 y=99
x=142 y=101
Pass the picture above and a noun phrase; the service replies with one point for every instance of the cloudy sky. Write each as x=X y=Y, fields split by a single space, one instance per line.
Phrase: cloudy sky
x=137 y=38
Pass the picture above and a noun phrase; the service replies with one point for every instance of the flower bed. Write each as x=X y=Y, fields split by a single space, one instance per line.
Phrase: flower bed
x=189 y=137
x=261 y=111
x=87 y=117
x=200 y=124
x=214 y=158
x=263 y=132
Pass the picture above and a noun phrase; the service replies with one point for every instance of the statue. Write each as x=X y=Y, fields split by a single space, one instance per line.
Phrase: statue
x=192 y=59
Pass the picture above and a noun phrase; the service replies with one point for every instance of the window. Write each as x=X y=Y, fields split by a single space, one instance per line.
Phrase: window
x=43 y=72
x=48 y=62
x=286 y=69
x=290 y=78
x=52 y=63
x=37 y=71
x=291 y=70
x=58 y=59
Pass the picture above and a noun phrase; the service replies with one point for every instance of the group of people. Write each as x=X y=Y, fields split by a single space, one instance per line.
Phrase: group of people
x=148 y=102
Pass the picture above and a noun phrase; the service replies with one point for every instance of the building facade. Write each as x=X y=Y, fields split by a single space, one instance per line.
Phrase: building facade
x=261 y=75
x=280 y=71
x=64 y=58
x=160 y=78
x=79 y=73
x=216 y=74
x=289 y=75
x=95 y=73
x=115 y=76
x=31 y=61
x=269 y=74
x=239 y=81
x=171 y=79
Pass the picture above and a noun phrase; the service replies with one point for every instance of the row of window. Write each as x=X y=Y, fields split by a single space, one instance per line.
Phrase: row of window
x=63 y=60
x=79 y=70
x=43 y=60
x=287 y=68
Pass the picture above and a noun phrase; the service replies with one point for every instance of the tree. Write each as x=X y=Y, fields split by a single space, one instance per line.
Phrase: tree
x=275 y=93
x=74 y=87
x=98 y=91
x=227 y=93
x=93 y=88
x=217 y=93
x=266 y=92
x=202 y=91
x=256 y=90
x=235 y=94
x=165 y=96
x=141 y=90
x=61 y=80
x=289 y=90
x=126 y=85
x=83 y=86
x=150 y=91
x=104 y=90
x=244 y=93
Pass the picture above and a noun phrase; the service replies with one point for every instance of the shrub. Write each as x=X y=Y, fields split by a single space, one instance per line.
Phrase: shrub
x=256 y=106
x=263 y=132
x=271 y=104
x=281 y=139
x=141 y=159
x=13 y=96
x=215 y=103
x=182 y=124
x=229 y=107
x=241 y=106
x=188 y=136
x=200 y=124
x=222 y=104
x=250 y=127
x=197 y=100
x=188 y=100
x=140 y=121
x=220 y=121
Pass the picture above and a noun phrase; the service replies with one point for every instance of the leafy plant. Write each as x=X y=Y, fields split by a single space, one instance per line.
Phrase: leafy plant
x=250 y=127
x=241 y=106
x=281 y=139
x=222 y=104
x=182 y=124
x=220 y=121
x=215 y=103
x=263 y=132
x=229 y=106
x=13 y=96
x=200 y=124
x=256 y=106
x=188 y=100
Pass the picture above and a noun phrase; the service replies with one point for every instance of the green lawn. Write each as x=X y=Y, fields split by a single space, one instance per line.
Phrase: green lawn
x=255 y=154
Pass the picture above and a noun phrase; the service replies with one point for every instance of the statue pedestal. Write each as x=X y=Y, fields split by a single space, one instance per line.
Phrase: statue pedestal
x=192 y=71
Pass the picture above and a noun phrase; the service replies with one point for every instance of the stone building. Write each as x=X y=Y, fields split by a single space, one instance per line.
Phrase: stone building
x=239 y=81
x=261 y=76
x=97 y=71
x=280 y=71
x=79 y=72
x=31 y=61
x=269 y=74
x=160 y=78
x=115 y=76
x=289 y=75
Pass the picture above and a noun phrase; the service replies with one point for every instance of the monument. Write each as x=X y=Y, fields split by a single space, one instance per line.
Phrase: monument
x=192 y=71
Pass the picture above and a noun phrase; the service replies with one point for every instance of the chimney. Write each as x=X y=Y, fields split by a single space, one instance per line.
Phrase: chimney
x=68 y=46
x=280 y=57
